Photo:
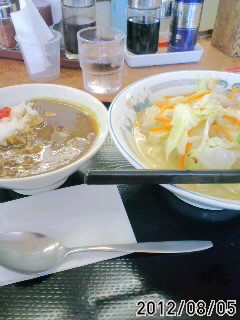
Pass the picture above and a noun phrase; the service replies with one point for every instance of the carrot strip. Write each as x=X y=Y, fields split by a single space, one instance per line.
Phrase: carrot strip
x=234 y=121
x=168 y=106
x=189 y=98
x=167 y=126
x=169 y=97
x=164 y=121
x=161 y=104
x=182 y=158
x=181 y=162
x=232 y=94
x=159 y=129
x=195 y=96
x=183 y=95
x=221 y=130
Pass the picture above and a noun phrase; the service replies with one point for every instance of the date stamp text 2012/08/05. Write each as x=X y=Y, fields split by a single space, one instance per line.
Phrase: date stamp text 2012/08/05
x=169 y=308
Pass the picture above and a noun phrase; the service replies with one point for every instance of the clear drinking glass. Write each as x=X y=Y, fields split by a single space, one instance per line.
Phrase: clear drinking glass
x=42 y=60
x=101 y=59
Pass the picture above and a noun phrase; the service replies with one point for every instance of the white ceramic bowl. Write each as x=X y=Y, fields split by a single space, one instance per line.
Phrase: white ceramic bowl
x=10 y=96
x=140 y=95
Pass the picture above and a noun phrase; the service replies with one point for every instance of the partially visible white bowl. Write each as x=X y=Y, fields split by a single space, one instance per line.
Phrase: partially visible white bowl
x=10 y=96
x=140 y=95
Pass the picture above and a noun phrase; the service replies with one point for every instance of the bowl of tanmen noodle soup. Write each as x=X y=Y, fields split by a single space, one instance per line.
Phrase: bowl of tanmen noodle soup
x=47 y=132
x=187 y=120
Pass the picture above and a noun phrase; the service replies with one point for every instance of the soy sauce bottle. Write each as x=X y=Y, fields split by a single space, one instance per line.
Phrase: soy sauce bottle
x=77 y=14
x=143 y=25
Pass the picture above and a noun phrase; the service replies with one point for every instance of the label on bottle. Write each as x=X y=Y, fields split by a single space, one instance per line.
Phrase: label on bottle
x=187 y=15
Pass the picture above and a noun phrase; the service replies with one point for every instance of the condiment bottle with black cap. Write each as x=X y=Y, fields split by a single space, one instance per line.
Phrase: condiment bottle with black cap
x=15 y=4
x=77 y=14
x=143 y=25
x=7 y=31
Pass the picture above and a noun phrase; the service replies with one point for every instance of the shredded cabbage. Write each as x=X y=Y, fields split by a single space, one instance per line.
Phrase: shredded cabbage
x=183 y=120
x=202 y=129
x=217 y=157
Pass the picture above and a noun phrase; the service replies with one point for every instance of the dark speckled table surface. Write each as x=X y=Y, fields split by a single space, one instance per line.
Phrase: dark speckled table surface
x=112 y=289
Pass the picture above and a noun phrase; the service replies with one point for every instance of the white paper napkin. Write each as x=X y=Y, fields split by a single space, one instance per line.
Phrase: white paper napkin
x=31 y=28
x=76 y=216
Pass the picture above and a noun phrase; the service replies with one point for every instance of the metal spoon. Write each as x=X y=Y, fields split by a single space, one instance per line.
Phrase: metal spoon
x=34 y=253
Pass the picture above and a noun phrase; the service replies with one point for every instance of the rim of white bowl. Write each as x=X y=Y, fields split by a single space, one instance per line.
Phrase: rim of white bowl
x=97 y=145
x=234 y=204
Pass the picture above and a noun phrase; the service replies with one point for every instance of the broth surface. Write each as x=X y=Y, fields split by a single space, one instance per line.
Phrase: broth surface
x=68 y=132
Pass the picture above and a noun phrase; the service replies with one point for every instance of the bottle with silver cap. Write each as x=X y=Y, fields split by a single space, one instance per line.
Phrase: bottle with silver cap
x=15 y=4
x=7 y=32
x=143 y=26
x=77 y=14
